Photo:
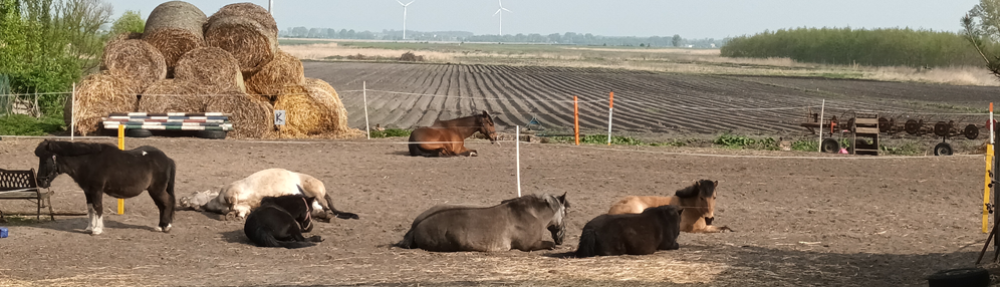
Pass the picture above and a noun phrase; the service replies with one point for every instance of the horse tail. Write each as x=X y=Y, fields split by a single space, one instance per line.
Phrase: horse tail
x=170 y=178
x=414 y=147
x=338 y=213
x=588 y=244
x=265 y=239
x=408 y=241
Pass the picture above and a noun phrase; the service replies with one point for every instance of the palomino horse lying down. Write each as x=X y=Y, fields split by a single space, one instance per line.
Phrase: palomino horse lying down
x=697 y=203
x=656 y=228
x=447 y=138
x=280 y=222
x=236 y=199
x=103 y=168
x=518 y=223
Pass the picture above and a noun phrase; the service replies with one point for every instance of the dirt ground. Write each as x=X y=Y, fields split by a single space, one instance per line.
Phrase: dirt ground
x=801 y=219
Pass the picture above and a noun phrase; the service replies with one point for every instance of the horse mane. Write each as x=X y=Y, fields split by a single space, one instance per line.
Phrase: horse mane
x=547 y=199
x=695 y=190
x=63 y=148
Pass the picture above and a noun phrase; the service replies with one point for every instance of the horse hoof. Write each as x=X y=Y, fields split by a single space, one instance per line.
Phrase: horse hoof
x=96 y=231
x=164 y=229
x=316 y=238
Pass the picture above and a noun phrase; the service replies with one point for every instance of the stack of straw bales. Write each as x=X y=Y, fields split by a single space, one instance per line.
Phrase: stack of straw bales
x=229 y=63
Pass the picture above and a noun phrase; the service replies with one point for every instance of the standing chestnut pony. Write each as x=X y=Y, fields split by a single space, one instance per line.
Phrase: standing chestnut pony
x=103 y=168
x=697 y=204
x=447 y=138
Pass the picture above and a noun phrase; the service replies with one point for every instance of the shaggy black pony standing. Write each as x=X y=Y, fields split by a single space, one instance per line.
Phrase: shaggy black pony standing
x=656 y=228
x=280 y=222
x=104 y=169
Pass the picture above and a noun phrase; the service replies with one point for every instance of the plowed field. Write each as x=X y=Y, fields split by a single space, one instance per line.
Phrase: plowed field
x=408 y=95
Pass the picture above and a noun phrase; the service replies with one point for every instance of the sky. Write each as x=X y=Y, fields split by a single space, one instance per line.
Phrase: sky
x=689 y=18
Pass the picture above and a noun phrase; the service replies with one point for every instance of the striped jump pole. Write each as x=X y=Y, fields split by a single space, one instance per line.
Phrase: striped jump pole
x=121 y=146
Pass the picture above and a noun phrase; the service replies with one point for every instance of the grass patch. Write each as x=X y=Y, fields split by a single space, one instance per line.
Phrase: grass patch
x=22 y=125
x=599 y=139
x=390 y=133
x=904 y=149
x=804 y=145
x=741 y=142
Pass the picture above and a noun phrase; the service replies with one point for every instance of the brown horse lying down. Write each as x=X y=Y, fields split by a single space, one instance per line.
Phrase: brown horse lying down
x=518 y=223
x=447 y=138
x=656 y=228
x=697 y=203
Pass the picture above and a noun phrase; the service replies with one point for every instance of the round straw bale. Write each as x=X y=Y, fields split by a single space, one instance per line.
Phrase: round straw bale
x=251 y=118
x=175 y=28
x=249 y=10
x=97 y=96
x=333 y=103
x=283 y=70
x=311 y=108
x=138 y=62
x=173 y=95
x=248 y=41
x=210 y=66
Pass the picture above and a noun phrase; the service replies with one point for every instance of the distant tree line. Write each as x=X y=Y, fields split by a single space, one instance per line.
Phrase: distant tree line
x=569 y=38
x=845 y=46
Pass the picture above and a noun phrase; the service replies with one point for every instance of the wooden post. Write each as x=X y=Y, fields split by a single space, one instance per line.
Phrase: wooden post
x=611 y=110
x=576 y=120
x=517 y=140
x=821 y=110
x=364 y=94
x=121 y=146
x=72 y=114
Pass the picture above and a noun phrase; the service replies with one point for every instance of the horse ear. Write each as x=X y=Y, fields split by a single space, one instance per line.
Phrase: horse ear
x=486 y=114
x=562 y=198
x=716 y=183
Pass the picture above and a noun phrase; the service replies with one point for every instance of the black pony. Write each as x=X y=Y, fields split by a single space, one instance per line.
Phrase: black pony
x=280 y=222
x=103 y=168
x=656 y=228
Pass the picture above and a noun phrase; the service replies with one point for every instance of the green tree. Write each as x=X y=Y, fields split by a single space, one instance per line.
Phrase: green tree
x=982 y=29
x=129 y=22
x=676 y=41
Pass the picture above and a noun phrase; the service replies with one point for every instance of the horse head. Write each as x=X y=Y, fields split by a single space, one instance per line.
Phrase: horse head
x=48 y=153
x=486 y=127
x=700 y=197
x=557 y=226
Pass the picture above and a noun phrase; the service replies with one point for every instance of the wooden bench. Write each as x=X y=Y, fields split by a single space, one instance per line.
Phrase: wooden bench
x=21 y=184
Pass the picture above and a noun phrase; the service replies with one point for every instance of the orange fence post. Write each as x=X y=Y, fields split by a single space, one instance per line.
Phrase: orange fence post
x=989 y=169
x=576 y=120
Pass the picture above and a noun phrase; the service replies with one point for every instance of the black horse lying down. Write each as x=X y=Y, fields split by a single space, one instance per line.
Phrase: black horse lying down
x=280 y=222
x=656 y=228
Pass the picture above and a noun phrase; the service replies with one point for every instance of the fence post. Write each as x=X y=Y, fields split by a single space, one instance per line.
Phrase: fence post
x=72 y=114
x=611 y=110
x=821 y=110
x=121 y=146
x=576 y=120
x=517 y=140
x=364 y=94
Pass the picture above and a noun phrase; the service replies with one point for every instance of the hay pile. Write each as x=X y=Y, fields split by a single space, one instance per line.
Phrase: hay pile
x=251 y=118
x=186 y=62
x=311 y=108
x=250 y=42
x=137 y=61
x=211 y=66
x=249 y=10
x=282 y=71
x=172 y=95
x=97 y=96
x=175 y=28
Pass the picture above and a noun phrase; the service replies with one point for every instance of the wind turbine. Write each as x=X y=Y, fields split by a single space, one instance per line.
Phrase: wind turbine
x=501 y=15
x=404 y=16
